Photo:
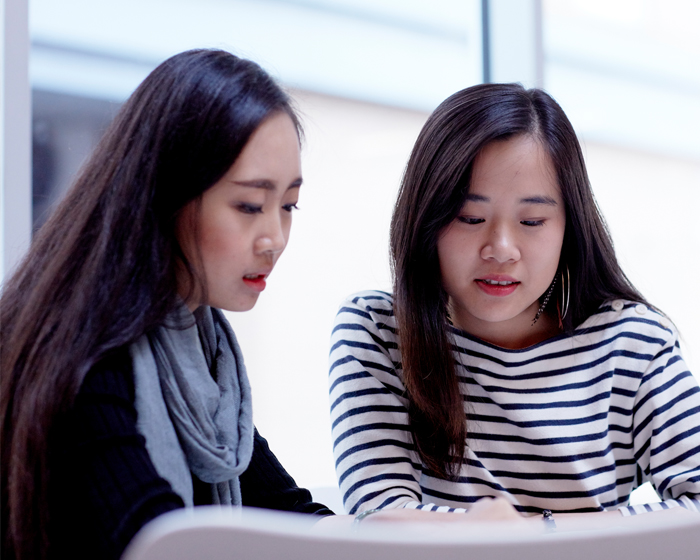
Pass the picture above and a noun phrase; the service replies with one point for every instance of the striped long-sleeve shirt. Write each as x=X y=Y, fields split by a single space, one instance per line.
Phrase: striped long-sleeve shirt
x=572 y=424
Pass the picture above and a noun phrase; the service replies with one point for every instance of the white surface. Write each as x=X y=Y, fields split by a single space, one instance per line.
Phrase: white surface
x=220 y=533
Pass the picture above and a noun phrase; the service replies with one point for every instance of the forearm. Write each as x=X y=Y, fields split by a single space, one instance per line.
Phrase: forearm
x=499 y=511
x=483 y=511
x=614 y=518
x=266 y=484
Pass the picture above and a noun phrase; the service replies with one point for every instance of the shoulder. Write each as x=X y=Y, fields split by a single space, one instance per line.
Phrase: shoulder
x=104 y=406
x=366 y=320
x=112 y=374
x=369 y=303
x=631 y=320
x=370 y=310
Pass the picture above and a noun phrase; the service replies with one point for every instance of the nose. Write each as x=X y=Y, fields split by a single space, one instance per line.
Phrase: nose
x=272 y=238
x=500 y=244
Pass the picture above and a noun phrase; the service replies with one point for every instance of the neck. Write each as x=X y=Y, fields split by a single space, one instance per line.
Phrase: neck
x=514 y=334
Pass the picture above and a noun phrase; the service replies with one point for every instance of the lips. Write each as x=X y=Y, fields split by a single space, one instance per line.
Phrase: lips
x=255 y=281
x=497 y=285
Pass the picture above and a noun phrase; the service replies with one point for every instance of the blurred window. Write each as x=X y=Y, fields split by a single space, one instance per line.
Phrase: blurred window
x=627 y=72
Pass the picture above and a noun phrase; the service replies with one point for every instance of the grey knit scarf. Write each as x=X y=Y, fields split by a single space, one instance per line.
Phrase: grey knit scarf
x=193 y=403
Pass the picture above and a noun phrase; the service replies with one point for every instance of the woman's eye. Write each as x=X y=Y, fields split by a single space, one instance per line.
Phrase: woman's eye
x=532 y=223
x=469 y=220
x=249 y=208
x=290 y=207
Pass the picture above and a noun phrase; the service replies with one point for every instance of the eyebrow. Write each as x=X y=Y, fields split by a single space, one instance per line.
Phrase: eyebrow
x=265 y=184
x=547 y=200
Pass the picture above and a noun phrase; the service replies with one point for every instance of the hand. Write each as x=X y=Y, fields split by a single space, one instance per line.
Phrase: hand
x=493 y=509
x=486 y=510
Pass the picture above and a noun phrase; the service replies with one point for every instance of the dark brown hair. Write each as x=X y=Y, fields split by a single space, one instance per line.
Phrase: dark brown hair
x=433 y=190
x=101 y=271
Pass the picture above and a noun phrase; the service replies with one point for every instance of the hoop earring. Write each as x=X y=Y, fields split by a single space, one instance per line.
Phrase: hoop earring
x=563 y=309
x=565 y=292
x=545 y=301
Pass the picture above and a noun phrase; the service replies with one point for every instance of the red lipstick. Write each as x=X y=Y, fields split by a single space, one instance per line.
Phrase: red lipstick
x=499 y=285
x=255 y=281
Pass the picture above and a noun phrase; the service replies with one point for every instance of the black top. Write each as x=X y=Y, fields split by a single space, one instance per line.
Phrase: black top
x=104 y=487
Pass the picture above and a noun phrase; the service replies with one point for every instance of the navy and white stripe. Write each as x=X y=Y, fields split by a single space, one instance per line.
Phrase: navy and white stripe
x=572 y=424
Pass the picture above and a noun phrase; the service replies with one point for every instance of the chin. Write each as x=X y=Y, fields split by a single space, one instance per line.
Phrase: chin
x=233 y=306
x=501 y=315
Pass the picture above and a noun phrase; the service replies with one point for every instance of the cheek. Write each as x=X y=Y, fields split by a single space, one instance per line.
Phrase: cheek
x=558 y=238
x=220 y=241
x=286 y=225
x=548 y=251
x=443 y=257
x=453 y=255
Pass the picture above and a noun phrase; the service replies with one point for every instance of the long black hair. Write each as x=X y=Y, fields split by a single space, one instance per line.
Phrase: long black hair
x=433 y=190
x=102 y=269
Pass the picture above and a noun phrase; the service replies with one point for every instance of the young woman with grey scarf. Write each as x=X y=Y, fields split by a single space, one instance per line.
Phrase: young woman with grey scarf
x=123 y=389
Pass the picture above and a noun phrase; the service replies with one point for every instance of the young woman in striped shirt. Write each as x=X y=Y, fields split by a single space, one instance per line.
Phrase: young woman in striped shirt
x=514 y=358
